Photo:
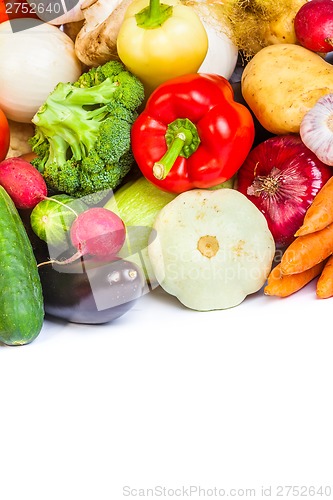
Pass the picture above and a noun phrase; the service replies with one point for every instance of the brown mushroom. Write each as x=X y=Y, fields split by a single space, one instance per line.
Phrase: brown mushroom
x=96 y=42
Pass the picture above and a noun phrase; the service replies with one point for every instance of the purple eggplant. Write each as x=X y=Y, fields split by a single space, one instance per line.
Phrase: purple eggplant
x=89 y=291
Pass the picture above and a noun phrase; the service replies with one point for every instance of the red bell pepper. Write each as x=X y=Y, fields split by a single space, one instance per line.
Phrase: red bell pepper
x=192 y=134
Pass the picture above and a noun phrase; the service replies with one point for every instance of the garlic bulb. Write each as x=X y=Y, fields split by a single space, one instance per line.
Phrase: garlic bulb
x=316 y=129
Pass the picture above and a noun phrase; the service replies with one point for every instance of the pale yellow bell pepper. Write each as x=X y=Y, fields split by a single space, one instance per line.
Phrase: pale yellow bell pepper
x=159 y=41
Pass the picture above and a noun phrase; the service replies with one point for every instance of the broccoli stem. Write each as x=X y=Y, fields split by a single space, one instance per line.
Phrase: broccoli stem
x=99 y=94
x=65 y=112
x=57 y=151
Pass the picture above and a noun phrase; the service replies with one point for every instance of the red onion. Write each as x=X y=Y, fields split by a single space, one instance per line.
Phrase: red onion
x=281 y=176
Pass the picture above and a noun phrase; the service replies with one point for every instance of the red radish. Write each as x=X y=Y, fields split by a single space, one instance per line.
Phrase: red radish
x=98 y=232
x=281 y=176
x=313 y=25
x=23 y=182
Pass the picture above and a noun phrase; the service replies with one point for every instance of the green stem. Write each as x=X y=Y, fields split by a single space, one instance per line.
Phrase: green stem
x=154 y=9
x=154 y=15
x=163 y=167
x=182 y=139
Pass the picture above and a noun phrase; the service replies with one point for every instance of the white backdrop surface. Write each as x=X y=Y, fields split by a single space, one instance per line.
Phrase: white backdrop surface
x=172 y=403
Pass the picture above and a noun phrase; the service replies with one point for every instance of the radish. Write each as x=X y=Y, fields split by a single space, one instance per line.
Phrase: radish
x=313 y=25
x=98 y=232
x=26 y=185
x=23 y=182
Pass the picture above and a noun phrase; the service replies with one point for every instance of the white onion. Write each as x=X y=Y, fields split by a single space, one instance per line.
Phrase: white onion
x=222 y=54
x=32 y=62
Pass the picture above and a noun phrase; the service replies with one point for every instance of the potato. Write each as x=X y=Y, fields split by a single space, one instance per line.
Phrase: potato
x=282 y=82
x=281 y=28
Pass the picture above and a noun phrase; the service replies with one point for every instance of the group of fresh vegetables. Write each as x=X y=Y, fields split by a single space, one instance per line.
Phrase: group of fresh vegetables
x=162 y=144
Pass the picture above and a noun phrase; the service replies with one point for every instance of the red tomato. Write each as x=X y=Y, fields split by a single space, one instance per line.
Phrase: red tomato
x=4 y=136
x=3 y=13
x=12 y=9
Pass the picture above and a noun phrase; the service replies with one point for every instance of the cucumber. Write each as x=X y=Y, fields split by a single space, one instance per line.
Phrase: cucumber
x=21 y=297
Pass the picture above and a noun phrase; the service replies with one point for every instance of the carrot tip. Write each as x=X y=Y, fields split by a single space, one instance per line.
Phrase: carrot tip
x=323 y=295
x=302 y=231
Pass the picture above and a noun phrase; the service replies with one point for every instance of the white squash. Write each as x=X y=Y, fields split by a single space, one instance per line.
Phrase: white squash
x=211 y=248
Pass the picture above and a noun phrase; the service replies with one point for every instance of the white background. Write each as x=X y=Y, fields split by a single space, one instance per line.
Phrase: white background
x=170 y=397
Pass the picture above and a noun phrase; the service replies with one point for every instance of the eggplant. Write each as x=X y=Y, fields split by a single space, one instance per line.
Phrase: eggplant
x=88 y=291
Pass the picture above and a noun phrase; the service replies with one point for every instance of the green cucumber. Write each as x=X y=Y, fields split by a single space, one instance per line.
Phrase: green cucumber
x=21 y=296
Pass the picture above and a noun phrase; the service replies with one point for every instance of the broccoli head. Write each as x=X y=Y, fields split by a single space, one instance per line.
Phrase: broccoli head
x=83 y=131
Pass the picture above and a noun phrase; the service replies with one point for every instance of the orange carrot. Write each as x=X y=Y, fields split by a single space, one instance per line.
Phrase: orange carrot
x=307 y=251
x=324 y=287
x=283 y=285
x=320 y=212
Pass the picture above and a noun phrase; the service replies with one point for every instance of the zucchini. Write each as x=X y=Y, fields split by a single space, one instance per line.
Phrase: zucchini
x=21 y=297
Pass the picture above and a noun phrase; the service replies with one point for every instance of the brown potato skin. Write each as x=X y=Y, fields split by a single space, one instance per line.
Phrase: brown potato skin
x=282 y=82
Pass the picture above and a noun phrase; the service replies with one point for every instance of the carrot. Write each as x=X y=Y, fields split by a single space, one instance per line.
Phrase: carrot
x=324 y=288
x=307 y=251
x=283 y=285
x=320 y=212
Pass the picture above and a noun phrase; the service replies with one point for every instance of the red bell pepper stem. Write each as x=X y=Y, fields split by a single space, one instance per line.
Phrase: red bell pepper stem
x=182 y=140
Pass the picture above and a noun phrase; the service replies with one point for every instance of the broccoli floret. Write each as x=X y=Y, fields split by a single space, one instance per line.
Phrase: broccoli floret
x=41 y=147
x=93 y=179
x=64 y=178
x=117 y=132
x=91 y=176
x=97 y=75
x=83 y=131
